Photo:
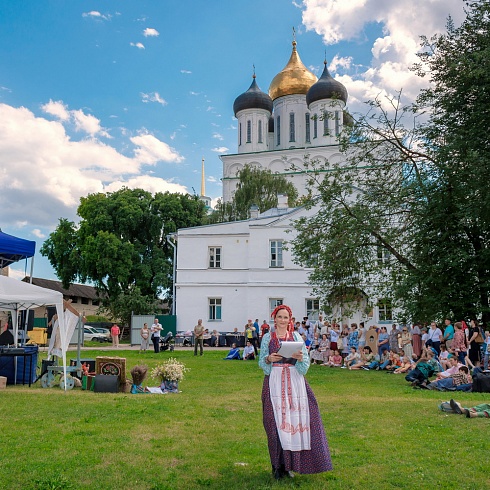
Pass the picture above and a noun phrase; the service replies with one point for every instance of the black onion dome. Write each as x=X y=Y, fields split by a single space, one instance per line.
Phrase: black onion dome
x=326 y=88
x=253 y=98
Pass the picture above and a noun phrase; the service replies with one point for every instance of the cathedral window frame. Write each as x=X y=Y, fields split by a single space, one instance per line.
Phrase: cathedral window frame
x=337 y=123
x=259 y=131
x=325 y=123
x=278 y=130
x=292 y=128
x=249 y=131
x=307 y=127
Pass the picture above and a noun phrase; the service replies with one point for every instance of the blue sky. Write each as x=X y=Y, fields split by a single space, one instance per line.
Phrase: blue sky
x=96 y=95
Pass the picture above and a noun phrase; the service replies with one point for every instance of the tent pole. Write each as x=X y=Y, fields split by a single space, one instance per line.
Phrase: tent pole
x=32 y=268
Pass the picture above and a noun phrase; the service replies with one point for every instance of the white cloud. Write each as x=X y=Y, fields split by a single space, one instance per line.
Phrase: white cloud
x=151 y=150
x=138 y=45
x=212 y=179
x=94 y=14
x=88 y=123
x=38 y=233
x=218 y=136
x=153 y=97
x=43 y=172
x=220 y=149
x=338 y=61
x=394 y=52
x=57 y=109
x=147 y=182
x=173 y=135
x=185 y=72
x=194 y=93
x=149 y=32
x=81 y=121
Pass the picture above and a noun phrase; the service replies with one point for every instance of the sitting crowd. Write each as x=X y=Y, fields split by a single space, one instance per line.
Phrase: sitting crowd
x=451 y=355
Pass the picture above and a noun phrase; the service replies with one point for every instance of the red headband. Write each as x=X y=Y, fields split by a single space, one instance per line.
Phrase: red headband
x=284 y=307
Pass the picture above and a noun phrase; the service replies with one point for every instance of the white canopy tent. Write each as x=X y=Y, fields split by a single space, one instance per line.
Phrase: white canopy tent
x=16 y=296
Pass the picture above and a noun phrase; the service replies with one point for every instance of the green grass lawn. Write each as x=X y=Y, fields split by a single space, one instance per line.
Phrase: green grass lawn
x=382 y=433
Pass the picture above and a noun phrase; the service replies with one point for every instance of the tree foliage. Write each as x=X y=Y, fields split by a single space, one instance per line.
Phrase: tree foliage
x=120 y=246
x=255 y=186
x=407 y=215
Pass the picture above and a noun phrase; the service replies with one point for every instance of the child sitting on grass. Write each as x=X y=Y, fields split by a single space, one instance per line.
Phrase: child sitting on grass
x=367 y=357
x=351 y=359
x=405 y=366
x=334 y=360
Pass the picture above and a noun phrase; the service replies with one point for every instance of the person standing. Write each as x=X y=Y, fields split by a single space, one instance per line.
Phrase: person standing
x=435 y=337
x=416 y=340
x=115 y=335
x=199 y=337
x=250 y=335
x=145 y=337
x=474 y=335
x=257 y=327
x=156 y=329
x=448 y=333
x=292 y=421
x=264 y=328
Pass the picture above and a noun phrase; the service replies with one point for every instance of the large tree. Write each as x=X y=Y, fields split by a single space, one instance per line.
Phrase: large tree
x=258 y=187
x=120 y=245
x=407 y=215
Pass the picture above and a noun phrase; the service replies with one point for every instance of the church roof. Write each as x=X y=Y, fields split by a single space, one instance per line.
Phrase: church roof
x=294 y=78
x=326 y=88
x=253 y=98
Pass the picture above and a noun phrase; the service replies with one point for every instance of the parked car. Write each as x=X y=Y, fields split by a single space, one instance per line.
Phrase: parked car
x=105 y=332
x=90 y=334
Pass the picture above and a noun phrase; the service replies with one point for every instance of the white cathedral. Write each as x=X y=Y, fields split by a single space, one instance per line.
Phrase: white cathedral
x=301 y=118
x=227 y=273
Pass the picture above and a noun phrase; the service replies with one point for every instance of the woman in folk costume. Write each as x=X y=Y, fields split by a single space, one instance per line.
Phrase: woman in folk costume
x=291 y=417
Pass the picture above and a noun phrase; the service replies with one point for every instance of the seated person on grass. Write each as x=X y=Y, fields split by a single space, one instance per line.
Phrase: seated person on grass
x=444 y=357
x=248 y=352
x=395 y=362
x=352 y=358
x=432 y=360
x=379 y=362
x=367 y=357
x=453 y=368
x=234 y=353
x=419 y=376
x=460 y=381
x=405 y=366
x=334 y=360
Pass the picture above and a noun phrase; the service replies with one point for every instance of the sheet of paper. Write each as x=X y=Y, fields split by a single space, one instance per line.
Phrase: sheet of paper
x=288 y=348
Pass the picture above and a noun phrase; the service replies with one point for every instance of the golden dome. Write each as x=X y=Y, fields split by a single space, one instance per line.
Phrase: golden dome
x=295 y=78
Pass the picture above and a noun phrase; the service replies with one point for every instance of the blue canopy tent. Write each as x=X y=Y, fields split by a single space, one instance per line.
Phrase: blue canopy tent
x=13 y=249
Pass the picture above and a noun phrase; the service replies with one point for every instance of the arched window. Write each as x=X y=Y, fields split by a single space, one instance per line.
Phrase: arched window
x=315 y=126
x=325 y=123
x=240 y=134
x=307 y=127
x=292 y=134
x=337 y=123
x=249 y=131
x=278 y=130
x=260 y=131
